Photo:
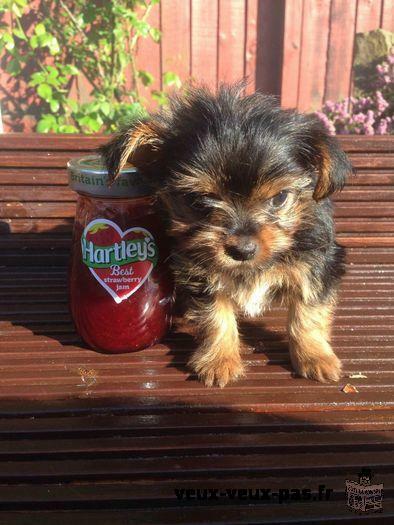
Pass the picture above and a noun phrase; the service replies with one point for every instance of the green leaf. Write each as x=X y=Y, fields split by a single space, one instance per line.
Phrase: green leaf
x=70 y=69
x=9 y=41
x=36 y=78
x=145 y=77
x=105 y=108
x=46 y=124
x=171 y=79
x=16 y=10
x=155 y=34
x=99 y=226
x=52 y=72
x=68 y=128
x=19 y=34
x=91 y=123
x=34 y=41
x=53 y=45
x=45 y=92
x=141 y=27
x=54 y=105
x=72 y=104
x=43 y=126
x=13 y=67
x=160 y=97
x=89 y=14
x=40 y=29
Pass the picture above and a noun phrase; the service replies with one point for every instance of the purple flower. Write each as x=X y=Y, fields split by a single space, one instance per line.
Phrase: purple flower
x=368 y=129
x=367 y=114
x=382 y=104
x=382 y=127
x=326 y=121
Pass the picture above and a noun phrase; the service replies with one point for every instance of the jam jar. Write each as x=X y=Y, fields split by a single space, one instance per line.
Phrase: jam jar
x=120 y=287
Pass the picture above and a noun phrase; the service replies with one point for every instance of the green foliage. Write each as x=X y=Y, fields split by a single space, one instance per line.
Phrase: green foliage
x=94 y=39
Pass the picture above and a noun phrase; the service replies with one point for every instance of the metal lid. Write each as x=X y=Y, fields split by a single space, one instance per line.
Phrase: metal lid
x=89 y=175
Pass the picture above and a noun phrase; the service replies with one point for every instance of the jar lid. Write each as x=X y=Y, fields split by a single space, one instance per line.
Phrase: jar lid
x=89 y=175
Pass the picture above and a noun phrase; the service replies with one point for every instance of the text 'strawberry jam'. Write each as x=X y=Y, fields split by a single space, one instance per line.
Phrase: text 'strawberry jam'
x=120 y=287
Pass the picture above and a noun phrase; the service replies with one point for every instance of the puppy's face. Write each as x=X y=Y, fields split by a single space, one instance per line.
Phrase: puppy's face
x=226 y=225
x=240 y=178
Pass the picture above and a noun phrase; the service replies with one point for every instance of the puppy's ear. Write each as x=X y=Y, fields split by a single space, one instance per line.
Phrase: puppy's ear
x=323 y=154
x=138 y=144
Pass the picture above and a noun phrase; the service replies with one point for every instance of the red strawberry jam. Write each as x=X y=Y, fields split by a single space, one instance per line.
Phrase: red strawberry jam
x=119 y=285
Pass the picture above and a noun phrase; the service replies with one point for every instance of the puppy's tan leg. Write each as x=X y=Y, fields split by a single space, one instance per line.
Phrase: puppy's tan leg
x=217 y=360
x=309 y=333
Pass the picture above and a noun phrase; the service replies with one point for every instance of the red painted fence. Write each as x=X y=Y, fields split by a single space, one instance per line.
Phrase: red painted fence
x=218 y=40
x=300 y=50
x=318 y=46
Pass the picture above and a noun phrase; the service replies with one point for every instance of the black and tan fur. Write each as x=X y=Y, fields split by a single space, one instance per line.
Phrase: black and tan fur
x=245 y=189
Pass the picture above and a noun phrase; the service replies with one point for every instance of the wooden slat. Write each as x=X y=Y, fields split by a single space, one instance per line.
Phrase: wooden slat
x=204 y=47
x=33 y=176
x=231 y=16
x=64 y=226
x=340 y=49
x=37 y=209
x=165 y=490
x=49 y=141
x=251 y=38
x=269 y=46
x=148 y=56
x=291 y=53
x=368 y=15
x=58 y=177
x=175 y=43
x=43 y=193
x=387 y=21
x=85 y=143
x=313 y=55
x=217 y=515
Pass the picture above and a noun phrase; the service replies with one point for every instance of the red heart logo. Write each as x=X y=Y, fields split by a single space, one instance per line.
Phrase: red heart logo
x=121 y=261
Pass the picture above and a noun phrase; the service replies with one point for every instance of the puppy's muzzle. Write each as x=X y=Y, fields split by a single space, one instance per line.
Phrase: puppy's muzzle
x=242 y=248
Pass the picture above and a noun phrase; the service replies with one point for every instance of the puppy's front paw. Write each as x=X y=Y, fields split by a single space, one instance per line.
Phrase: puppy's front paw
x=323 y=367
x=218 y=371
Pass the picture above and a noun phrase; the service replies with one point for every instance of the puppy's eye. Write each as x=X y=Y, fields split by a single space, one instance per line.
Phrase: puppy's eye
x=279 y=200
x=197 y=202
x=192 y=200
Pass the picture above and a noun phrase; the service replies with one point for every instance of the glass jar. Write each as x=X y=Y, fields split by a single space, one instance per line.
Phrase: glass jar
x=120 y=288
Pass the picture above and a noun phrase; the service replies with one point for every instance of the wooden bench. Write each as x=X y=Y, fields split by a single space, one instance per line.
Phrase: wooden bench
x=94 y=438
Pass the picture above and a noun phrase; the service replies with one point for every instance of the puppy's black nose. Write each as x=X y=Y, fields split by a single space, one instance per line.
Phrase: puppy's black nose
x=244 y=250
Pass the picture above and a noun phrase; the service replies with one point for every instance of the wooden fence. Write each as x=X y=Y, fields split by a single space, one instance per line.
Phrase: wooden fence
x=300 y=50
x=318 y=47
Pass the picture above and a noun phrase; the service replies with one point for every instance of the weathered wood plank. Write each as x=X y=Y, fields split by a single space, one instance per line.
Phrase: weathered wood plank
x=231 y=16
x=204 y=47
x=175 y=43
x=148 y=56
x=314 y=53
x=368 y=15
x=340 y=49
x=292 y=47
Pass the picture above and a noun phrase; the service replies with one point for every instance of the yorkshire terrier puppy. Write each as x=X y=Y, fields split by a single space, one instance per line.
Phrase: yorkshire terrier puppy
x=245 y=186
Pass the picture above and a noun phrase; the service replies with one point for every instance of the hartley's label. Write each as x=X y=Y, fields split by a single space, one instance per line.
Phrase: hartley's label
x=120 y=261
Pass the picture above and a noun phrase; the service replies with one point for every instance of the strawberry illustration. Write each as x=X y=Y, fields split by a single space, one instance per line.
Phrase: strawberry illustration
x=135 y=234
x=102 y=234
